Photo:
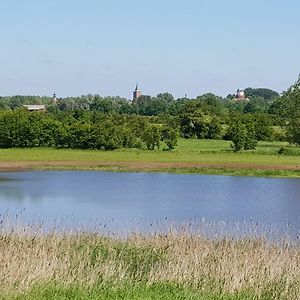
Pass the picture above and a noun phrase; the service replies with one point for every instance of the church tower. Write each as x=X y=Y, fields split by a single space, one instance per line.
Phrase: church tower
x=54 y=99
x=136 y=93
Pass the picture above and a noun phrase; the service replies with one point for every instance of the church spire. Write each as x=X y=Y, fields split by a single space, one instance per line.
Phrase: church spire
x=54 y=98
x=136 y=93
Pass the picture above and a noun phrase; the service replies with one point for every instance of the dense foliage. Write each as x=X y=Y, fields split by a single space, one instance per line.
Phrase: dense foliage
x=96 y=122
x=76 y=129
x=289 y=107
x=242 y=133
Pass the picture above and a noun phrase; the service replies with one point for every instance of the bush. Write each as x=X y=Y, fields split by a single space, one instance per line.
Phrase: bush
x=170 y=136
x=152 y=136
x=242 y=135
x=289 y=151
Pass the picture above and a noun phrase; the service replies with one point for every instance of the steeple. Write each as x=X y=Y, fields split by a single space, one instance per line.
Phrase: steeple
x=136 y=93
x=54 y=99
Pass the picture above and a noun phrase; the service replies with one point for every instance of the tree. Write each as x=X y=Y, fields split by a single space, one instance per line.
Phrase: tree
x=150 y=106
x=194 y=125
x=102 y=105
x=263 y=127
x=250 y=140
x=256 y=105
x=166 y=97
x=211 y=103
x=237 y=134
x=197 y=121
x=265 y=93
x=152 y=136
x=176 y=106
x=291 y=112
x=242 y=134
x=214 y=131
x=170 y=136
x=141 y=104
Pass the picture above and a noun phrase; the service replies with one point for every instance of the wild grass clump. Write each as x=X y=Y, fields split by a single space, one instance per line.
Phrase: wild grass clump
x=291 y=151
x=178 y=265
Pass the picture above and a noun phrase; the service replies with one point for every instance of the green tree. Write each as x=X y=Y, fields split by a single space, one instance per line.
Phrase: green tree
x=237 y=133
x=211 y=103
x=193 y=121
x=169 y=135
x=291 y=112
x=102 y=105
x=214 y=131
x=263 y=127
x=150 y=106
x=242 y=134
x=176 y=107
x=166 y=97
x=265 y=93
x=152 y=136
x=250 y=141
x=256 y=105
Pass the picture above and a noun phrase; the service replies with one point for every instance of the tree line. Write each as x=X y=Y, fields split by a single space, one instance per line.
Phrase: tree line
x=20 y=128
x=95 y=122
x=164 y=103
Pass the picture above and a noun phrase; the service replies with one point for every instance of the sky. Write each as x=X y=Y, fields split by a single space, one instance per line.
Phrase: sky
x=77 y=47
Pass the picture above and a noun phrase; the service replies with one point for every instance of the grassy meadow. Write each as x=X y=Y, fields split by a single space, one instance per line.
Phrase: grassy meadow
x=190 y=156
x=172 y=266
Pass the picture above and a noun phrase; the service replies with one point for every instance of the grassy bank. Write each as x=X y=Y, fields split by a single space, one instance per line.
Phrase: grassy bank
x=172 y=266
x=191 y=156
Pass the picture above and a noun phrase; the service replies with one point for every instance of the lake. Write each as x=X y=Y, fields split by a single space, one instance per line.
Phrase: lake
x=136 y=201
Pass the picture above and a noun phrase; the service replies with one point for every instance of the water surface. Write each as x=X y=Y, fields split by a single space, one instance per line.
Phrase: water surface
x=91 y=197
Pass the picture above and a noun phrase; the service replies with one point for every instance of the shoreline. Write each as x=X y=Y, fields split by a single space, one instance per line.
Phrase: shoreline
x=211 y=157
x=230 y=169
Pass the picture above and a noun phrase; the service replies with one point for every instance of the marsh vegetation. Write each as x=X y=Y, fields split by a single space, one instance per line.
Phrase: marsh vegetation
x=175 y=265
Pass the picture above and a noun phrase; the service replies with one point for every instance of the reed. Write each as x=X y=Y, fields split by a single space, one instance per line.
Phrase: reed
x=205 y=268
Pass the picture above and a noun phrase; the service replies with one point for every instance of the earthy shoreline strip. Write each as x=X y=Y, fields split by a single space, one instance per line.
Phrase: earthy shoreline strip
x=140 y=166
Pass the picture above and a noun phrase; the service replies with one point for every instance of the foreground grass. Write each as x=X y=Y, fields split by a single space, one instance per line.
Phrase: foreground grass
x=160 y=291
x=216 y=157
x=171 y=266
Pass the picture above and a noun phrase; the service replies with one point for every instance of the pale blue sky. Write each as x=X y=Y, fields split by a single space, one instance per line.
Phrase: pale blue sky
x=77 y=47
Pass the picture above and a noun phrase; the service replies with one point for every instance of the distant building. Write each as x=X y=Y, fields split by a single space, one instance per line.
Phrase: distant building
x=35 y=107
x=54 y=99
x=241 y=96
x=136 y=93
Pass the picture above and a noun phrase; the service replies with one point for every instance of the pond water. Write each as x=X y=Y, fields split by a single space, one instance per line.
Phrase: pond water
x=115 y=200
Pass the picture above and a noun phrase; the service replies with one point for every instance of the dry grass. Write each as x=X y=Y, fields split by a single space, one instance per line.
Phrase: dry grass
x=204 y=265
x=232 y=265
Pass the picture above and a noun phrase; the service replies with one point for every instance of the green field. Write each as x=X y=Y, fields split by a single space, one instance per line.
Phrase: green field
x=190 y=156
x=210 y=157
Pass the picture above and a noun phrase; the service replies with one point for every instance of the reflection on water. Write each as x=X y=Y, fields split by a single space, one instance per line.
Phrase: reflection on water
x=124 y=198
x=2 y=178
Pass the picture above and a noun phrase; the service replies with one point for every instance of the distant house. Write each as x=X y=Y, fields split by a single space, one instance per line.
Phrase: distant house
x=241 y=96
x=35 y=107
